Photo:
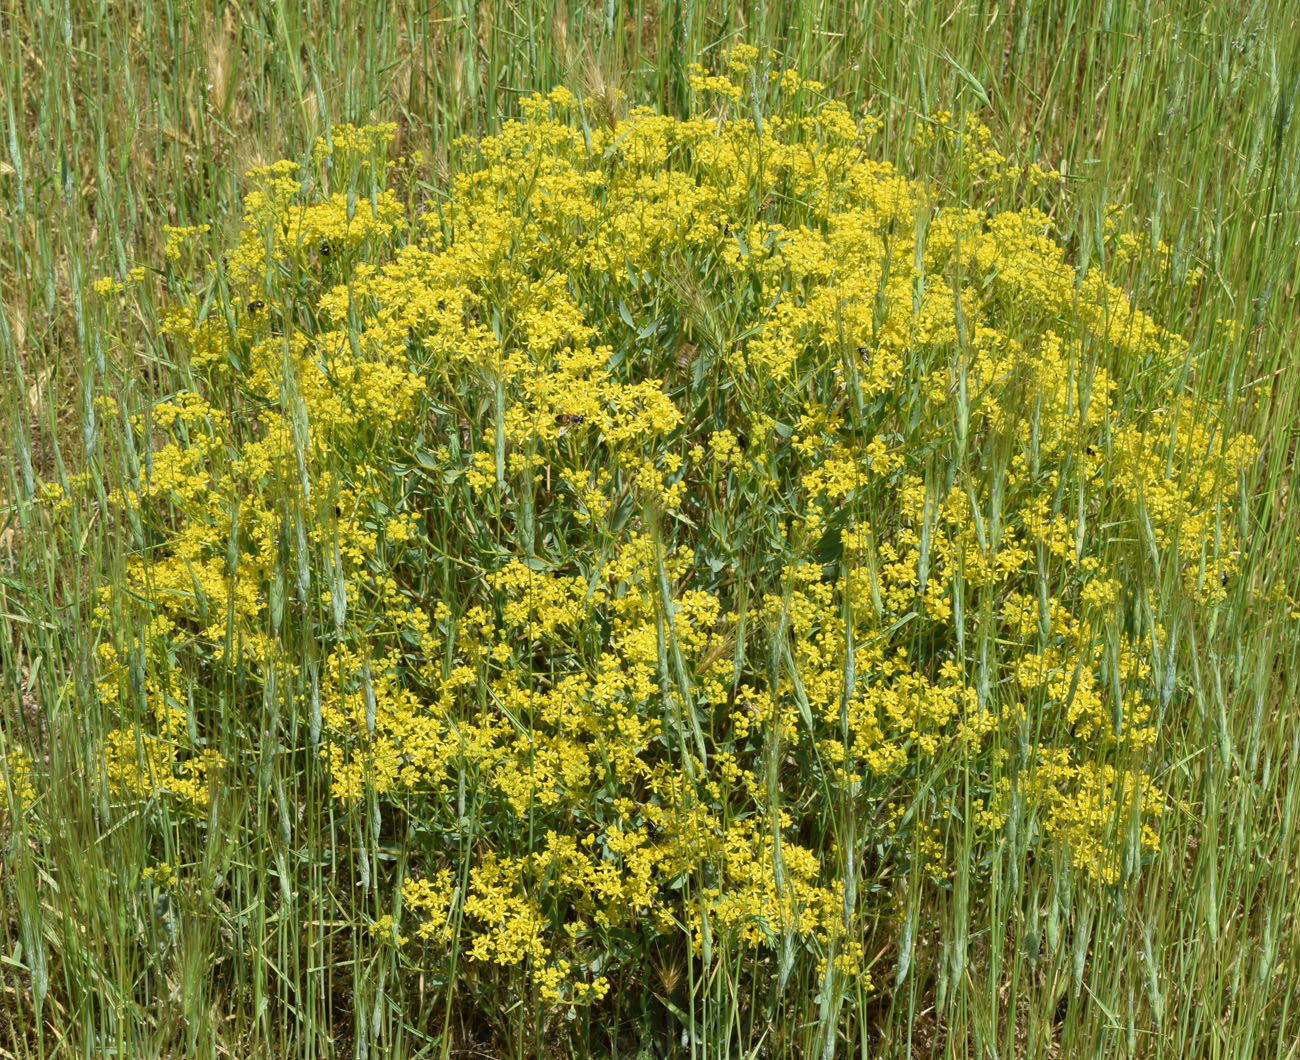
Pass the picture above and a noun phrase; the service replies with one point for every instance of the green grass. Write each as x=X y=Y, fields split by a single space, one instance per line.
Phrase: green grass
x=118 y=119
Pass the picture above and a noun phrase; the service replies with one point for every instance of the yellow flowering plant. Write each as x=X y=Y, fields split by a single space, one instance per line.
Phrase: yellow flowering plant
x=672 y=526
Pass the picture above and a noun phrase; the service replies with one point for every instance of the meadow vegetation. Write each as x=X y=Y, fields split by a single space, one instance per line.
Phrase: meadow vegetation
x=639 y=531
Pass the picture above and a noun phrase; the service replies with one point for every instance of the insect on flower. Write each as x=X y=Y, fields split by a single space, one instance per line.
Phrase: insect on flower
x=568 y=420
x=255 y=305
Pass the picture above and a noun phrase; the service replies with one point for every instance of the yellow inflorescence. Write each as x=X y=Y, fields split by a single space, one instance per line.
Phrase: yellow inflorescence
x=756 y=481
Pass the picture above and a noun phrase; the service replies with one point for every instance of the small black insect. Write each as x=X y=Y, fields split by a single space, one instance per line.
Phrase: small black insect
x=325 y=250
x=570 y=419
x=1090 y=450
x=1223 y=578
x=255 y=305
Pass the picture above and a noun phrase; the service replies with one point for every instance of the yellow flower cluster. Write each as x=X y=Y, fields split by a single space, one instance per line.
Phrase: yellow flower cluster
x=669 y=487
x=16 y=770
